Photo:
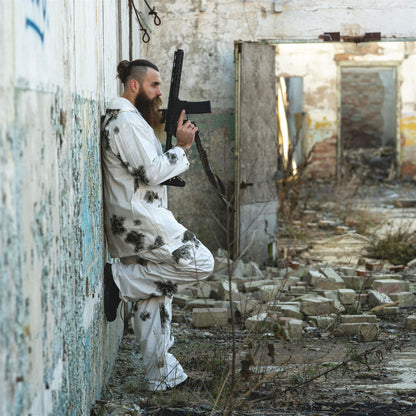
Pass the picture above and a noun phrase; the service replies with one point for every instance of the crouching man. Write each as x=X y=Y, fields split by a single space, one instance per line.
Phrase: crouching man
x=158 y=256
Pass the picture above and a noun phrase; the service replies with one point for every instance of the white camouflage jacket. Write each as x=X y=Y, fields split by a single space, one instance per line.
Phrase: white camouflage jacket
x=134 y=166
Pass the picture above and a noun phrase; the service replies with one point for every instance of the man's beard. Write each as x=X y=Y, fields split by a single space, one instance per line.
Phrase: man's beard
x=149 y=109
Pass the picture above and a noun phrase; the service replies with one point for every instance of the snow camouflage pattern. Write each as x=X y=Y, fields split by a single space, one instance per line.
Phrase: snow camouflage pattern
x=134 y=166
x=158 y=256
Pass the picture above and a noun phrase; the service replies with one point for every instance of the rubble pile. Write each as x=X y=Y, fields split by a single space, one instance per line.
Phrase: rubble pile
x=294 y=300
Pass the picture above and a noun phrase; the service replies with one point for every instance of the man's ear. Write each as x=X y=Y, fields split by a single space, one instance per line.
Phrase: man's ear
x=134 y=85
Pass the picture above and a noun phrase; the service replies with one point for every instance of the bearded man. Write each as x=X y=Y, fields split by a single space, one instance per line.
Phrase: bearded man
x=158 y=256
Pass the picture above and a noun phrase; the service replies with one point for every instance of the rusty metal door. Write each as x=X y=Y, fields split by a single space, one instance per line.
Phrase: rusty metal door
x=256 y=201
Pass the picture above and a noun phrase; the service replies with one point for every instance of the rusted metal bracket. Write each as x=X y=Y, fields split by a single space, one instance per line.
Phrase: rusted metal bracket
x=330 y=37
x=336 y=37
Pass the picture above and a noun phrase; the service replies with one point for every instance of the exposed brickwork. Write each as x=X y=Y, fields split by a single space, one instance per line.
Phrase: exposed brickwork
x=408 y=169
x=324 y=158
x=362 y=101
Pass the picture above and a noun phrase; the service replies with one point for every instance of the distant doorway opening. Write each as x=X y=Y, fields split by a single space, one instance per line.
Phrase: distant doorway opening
x=369 y=121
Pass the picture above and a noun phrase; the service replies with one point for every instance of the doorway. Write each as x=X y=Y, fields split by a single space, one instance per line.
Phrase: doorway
x=368 y=121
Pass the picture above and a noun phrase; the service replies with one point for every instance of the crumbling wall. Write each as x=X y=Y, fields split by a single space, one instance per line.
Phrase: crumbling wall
x=320 y=65
x=58 y=65
x=207 y=30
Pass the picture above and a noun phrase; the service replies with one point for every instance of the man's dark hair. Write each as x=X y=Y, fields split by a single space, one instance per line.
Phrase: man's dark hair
x=136 y=69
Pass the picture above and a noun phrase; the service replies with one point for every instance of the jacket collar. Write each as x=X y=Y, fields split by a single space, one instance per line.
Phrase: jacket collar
x=122 y=104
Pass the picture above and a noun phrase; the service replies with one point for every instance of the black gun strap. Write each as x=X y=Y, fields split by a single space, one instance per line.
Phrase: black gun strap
x=212 y=177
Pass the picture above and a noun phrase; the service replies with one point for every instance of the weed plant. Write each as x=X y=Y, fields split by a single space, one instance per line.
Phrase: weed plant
x=397 y=247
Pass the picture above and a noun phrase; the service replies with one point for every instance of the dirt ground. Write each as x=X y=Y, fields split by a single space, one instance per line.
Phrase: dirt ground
x=319 y=375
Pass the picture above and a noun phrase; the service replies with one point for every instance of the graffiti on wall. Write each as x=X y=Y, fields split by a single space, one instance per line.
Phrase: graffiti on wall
x=37 y=18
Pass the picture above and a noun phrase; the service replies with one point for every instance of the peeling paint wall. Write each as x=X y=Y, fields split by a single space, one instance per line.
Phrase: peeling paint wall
x=207 y=30
x=58 y=69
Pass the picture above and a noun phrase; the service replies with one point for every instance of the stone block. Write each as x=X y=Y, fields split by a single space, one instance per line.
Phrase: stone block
x=269 y=292
x=277 y=305
x=207 y=289
x=245 y=306
x=181 y=299
x=330 y=273
x=385 y=276
x=201 y=303
x=252 y=270
x=312 y=277
x=389 y=286
x=376 y=298
x=333 y=294
x=359 y=319
x=326 y=278
x=354 y=308
x=261 y=321
x=300 y=273
x=317 y=305
x=348 y=271
x=294 y=329
x=403 y=298
x=221 y=264
x=297 y=290
x=291 y=311
x=362 y=298
x=238 y=268
x=208 y=317
x=224 y=290
x=272 y=272
x=364 y=331
x=354 y=282
x=388 y=313
x=346 y=296
x=367 y=332
x=254 y=285
x=347 y=330
x=324 y=323
x=410 y=322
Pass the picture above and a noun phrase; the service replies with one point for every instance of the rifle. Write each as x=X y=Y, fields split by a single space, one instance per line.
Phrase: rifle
x=171 y=115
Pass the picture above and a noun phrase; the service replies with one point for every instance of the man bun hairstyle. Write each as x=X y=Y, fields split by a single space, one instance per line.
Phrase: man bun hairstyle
x=136 y=69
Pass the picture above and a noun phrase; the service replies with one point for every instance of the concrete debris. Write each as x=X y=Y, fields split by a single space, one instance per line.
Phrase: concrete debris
x=208 y=317
x=289 y=301
x=411 y=322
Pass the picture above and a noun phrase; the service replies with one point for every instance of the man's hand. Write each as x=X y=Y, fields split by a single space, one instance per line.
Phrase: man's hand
x=185 y=132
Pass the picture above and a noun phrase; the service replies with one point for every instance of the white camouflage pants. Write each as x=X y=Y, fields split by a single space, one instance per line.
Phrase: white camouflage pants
x=153 y=283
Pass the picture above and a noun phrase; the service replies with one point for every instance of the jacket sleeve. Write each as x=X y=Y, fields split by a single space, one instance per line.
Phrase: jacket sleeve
x=140 y=150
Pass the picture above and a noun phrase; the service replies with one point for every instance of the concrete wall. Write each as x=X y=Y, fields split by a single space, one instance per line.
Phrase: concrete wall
x=207 y=30
x=58 y=69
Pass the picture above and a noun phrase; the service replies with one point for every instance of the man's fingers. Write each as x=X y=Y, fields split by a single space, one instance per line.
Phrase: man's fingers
x=181 y=117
